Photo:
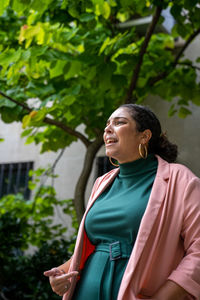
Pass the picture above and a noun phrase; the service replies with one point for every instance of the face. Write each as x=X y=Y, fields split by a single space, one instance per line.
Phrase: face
x=122 y=138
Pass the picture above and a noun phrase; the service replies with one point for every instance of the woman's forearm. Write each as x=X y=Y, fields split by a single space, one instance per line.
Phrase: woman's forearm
x=170 y=291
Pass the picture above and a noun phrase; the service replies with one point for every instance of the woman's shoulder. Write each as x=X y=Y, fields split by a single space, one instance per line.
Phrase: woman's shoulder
x=183 y=172
x=177 y=169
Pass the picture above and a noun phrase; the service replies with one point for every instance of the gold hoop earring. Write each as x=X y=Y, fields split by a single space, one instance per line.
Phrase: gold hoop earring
x=143 y=152
x=112 y=163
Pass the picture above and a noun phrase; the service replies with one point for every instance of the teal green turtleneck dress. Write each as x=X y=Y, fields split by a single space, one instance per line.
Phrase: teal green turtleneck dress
x=112 y=225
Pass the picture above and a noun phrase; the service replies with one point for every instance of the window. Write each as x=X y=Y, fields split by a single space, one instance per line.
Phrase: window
x=14 y=178
x=102 y=166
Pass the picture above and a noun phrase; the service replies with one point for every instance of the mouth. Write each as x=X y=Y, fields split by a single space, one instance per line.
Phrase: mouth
x=110 y=142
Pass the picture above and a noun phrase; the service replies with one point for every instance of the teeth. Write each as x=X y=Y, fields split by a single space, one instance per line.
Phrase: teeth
x=110 y=141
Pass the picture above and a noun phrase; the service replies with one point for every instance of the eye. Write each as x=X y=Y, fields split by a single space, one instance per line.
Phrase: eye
x=119 y=122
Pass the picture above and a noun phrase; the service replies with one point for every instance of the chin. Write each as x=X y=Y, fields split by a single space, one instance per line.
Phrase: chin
x=110 y=154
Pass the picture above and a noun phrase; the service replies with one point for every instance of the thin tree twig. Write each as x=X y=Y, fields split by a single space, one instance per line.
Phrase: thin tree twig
x=55 y=163
x=67 y=129
x=49 y=171
x=176 y=60
x=24 y=106
x=187 y=43
x=189 y=65
x=144 y=46
x=57 y=159
x=49 y=121
x=3 y=296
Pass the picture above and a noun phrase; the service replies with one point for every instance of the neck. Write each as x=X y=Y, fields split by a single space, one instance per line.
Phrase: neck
x=127 y=160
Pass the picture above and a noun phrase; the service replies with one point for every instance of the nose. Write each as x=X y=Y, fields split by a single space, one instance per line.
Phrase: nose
x=108 y=128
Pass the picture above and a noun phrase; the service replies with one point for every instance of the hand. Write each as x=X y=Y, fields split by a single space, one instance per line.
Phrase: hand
x=59 y=281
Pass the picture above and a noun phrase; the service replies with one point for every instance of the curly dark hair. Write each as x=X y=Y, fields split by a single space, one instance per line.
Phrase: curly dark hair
x=159 y=143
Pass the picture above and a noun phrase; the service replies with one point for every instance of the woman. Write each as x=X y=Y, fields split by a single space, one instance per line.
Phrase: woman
x=140 y=235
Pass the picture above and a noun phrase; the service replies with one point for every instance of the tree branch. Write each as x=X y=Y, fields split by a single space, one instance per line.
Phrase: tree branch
x=189 y=65
x=49 y=121
x=176 y=60
x=24 y=106
x=142 y=52
x=67 y=129
x=84 y=176
x=187 y=43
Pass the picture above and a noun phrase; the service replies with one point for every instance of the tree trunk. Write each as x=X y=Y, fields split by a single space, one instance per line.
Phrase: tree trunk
x=79 y=198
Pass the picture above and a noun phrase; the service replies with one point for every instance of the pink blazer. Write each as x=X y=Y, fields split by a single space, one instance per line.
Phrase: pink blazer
x=168 y=241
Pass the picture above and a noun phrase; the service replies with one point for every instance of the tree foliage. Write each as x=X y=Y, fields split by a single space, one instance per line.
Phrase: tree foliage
x=26 y=223
x=71 y=62
x=22 y=274
x=32 y=220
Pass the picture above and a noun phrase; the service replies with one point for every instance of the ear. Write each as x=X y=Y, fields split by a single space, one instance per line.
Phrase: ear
x=146 y=136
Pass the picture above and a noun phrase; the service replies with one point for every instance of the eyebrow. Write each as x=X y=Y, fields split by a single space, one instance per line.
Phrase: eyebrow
x=116 y=118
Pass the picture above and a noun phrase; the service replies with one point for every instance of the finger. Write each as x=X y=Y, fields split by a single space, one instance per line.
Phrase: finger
x=49 y=273
x=61 y=284
x=52 y=272
x=66 y=287
x=71 y=274
x=60 y=281
x=61 y=289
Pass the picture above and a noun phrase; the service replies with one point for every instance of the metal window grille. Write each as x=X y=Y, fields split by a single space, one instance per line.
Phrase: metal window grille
x=14 y=178
x=102 y=166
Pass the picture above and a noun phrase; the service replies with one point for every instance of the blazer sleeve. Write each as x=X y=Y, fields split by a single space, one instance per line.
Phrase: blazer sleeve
x=187 y=274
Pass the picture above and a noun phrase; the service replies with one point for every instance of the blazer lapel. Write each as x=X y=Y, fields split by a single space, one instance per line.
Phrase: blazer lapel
x=106 y=181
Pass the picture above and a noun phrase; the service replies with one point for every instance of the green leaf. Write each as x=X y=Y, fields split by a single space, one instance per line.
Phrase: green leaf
x=9 y=115
x=98 y=2
x=106 y=10
x=10 y=56
x=38 y=51
x=184 y=112
x=26 y=132
x=20 y=6
x=104 y=45
x=6 y=103
x=3 y=5
x=73 y=70
x=58 y=69
x=69 y=116
x=30 y=140
x=74 y=90
x=112 y=3
x=172 y=110
x=26 y=121
x=195 y=97
x=86 y=17
x=68 y=100
x=64 y=4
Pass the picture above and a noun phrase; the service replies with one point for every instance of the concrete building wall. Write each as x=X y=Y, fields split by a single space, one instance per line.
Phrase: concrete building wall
x=183 y=132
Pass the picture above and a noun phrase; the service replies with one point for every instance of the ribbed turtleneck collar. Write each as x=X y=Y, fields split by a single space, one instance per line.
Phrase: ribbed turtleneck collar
x=139 y=166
